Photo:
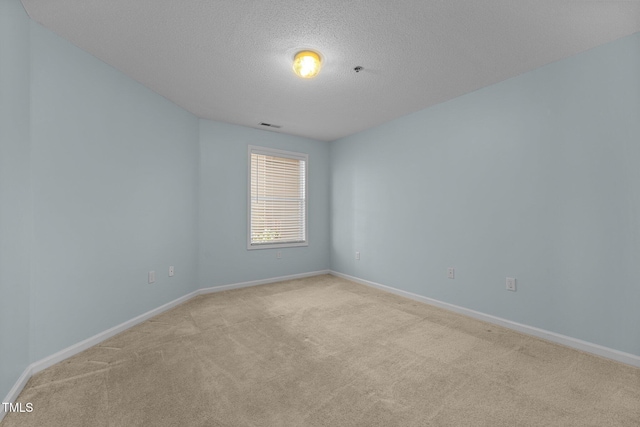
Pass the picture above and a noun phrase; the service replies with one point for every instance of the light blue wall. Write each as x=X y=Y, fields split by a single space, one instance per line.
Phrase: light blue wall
x=224 y=258
x=15 y=193
x=536 y=177
x=115 y=179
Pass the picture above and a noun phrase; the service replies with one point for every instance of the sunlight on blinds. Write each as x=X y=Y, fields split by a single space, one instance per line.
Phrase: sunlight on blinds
x=278 y=199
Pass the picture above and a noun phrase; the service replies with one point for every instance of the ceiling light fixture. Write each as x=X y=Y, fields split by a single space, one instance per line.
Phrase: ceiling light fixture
x=306 y=64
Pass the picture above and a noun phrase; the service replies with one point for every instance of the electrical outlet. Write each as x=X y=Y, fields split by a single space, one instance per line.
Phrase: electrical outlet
x=358 y=255
x=152 y=276
x=511 y=284
x=279 y=254
x=451 y=273
x=171 y=271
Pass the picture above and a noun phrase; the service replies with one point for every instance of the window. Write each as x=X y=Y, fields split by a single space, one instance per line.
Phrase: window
x=277 y=198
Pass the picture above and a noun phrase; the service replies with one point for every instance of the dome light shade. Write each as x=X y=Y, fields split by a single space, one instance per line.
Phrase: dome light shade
x=306 y=64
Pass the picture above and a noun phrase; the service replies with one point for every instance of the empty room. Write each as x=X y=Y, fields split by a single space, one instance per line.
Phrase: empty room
x=319 y=213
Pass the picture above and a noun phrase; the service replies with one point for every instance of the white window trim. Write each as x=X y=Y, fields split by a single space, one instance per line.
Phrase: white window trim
x=278 y=153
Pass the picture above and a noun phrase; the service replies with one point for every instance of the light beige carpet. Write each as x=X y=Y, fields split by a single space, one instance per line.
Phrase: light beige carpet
x=323 y=351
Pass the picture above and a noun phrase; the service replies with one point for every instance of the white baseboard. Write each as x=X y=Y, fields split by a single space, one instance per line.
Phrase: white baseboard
x=16 y=389
x=51 y=360
x=63 y=354
x=261 y=282
x=599 y=350
x=102 y=336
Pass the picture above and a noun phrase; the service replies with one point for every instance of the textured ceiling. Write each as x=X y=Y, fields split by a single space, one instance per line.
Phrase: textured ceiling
x=230 y=60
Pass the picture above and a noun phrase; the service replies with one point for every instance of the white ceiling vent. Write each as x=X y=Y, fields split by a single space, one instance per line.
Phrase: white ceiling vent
x=269 y=125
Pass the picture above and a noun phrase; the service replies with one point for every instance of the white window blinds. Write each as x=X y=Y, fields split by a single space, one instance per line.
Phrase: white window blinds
x=278 y=198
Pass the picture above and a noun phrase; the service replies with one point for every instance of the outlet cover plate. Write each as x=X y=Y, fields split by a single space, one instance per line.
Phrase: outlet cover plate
x=451 y=273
